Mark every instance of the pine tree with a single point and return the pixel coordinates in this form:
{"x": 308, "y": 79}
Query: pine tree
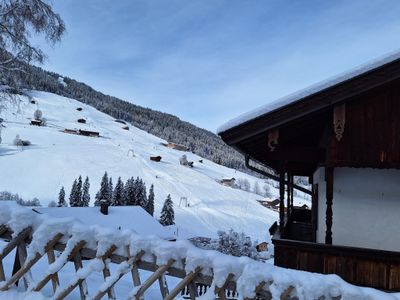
{"x": 85, "y": 193}
{"x": 129, "y": 192}
{"x": 141, "y": 194}
{"x": 118, "y": 195}
{"x": 104, "y": 193}
{"x": 61, "y": 198}
{"x": 79, "y": 191}
{"x": 110, "y": 190}
{"x": 136, "y": 191}
{"x": 150, "y": 201}
{"x": 73, "y": 195}
{"x": 167, "y": 213}
{"x": 97, "y": 199}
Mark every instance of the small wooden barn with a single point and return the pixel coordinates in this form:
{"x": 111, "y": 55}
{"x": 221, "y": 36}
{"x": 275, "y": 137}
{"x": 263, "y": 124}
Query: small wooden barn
{"x": 81, "y": 120}
{"x": 177, "y": 146}
{"x": 36, "y": 122}
{"x": 228, "y": 181}
{"x": 155, "y": 158}
{"x": 344, "y": 135}
{"x": 88, "y": 133}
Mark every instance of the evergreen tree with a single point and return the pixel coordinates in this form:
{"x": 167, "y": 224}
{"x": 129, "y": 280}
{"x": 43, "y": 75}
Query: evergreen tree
{"x": 167, "y": 213}
{"x": 141, "y": 194}
{"x": 97, "y": 199}
{"x": 61, "y": 198}
{"x": 110, "y": 190}
{"x": 85, "y": 193}
{"x": 118, "y": 195}
{"x": 150, "y": 201}
{"x": 129, "y": 192}
{"x": 136, "y": 191}
{"x": 73, "y": 196}
{"x": 104, "y": 193}
{"x": 79, "y": 191}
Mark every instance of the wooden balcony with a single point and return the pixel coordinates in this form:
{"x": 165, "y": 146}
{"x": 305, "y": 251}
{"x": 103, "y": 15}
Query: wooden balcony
{"x": 296, "y": 249}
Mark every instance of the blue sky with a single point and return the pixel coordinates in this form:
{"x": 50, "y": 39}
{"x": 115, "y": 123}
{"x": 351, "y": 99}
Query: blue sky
{"x": 208, "y": 61}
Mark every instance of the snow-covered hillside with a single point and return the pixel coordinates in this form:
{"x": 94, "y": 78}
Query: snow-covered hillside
{"x": 56, "y": 158}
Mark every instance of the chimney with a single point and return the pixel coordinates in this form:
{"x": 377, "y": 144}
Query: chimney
{"x": 104, "y": 207}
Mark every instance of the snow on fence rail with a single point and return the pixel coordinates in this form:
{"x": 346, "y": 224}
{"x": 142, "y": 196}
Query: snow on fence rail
{"x": 35, "y": 236}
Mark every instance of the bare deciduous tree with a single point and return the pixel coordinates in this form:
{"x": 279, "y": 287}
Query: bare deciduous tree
{"x": 19, "y": 19}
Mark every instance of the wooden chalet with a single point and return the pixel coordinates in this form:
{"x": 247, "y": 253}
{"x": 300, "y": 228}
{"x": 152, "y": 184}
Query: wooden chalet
{"x": 228, "y": 181}
{"x": 344, "y": 135}
{"x": 36, "y": 122}
{"x": 88, "y": 133}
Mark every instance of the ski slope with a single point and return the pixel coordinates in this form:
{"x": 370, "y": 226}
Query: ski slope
{"x": 56, "y": 158}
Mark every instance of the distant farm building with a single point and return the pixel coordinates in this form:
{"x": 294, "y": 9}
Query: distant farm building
{"x": 79, "y": 108}
{"x": 177, "y": 146}
{"x": 125, "y": 127}
{"x": 81, "y": 120}
{"x": 88, "y": 133}
{"x": 36, "y": 122}
{"x": 228, "y": 182}
{"x": 262, "y": 247}
{"x": 71, "y": 131}
{"x": 120, "y": 121}
{"x": 155, "y": 158}
{"x": 271, "y": 204}
{"x": 184, "y": 162}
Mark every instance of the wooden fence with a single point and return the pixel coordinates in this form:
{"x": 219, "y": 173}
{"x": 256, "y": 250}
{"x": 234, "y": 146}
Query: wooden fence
{"x": 129, "y": 266}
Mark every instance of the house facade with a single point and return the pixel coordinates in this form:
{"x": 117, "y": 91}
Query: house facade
{"x": 344, "y": 135}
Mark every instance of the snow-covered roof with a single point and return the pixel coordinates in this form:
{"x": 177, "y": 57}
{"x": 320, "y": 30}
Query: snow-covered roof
{"x": 123, "y": 217}
{"x": 318, "y": 87}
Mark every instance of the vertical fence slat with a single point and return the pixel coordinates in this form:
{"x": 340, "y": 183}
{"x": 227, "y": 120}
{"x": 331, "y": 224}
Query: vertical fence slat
{"x": 153, "y": 278}
{"x": 181, "y": 285}
{"x": 26, "y": 267}
{"x": 51, "y": 259}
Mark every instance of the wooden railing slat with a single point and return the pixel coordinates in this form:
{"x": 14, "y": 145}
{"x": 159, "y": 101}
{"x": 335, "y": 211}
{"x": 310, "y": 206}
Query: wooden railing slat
{"x": 46, "y": 279}
{"x": 153, "y": 278}
{"x": 28, "y": 264}
{"x": 184, "y": 282}
{"x": 15, "y": 241}
{"x": 66, "y": 291}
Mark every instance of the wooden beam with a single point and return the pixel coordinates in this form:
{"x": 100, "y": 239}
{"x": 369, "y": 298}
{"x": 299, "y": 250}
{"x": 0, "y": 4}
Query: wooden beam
{"x": 294, "y": 154}
{"x": 51, "y": 276}
{"x": 162, "y": 282}
{"x": 153, "y": 278}
{"x": 28, "y": 264}
{"x": 51, "y": 258}
{"x": 220, "y": 291}
{"x": 329, "y": 203}
{"x": 184, "y": 282}
{"x": 132, "y": 263}
{"x": 24, "y": 234}
{"x": 66, "y": 291}
{"x": 273, "y": 177}
{"x": 282, "y": 201}
{"x": 83, "y": 289}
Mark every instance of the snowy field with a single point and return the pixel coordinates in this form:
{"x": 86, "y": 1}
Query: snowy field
{"x": 56, "y": 158}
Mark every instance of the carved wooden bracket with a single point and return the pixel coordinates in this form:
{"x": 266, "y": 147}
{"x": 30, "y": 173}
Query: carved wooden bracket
{"x": 273, "y": 136}
{"x": 339, "y": 120}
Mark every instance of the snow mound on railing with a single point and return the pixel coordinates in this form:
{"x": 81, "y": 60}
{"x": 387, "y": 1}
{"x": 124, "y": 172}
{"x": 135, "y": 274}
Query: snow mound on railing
{"x": 248, "y": 273}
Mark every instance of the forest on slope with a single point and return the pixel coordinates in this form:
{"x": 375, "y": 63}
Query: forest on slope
{"x": 163, "y": 125}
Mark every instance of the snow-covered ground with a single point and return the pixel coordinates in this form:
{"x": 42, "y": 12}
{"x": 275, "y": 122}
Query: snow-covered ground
{"x": 248, "y": 273}
{"x": 56, "y": 158}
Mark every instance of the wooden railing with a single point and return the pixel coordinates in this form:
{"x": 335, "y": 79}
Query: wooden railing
{"x": 132, "y": 265}
{"x": 360, "y": 266}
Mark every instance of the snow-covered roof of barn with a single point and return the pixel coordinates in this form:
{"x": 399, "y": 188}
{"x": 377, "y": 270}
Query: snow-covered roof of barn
{"x": 299, "y": 95}
{"x": 119, "y": 217}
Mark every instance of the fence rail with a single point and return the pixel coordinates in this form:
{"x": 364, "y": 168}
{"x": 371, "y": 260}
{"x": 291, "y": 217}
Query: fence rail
{"x": 191, "y": 284}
